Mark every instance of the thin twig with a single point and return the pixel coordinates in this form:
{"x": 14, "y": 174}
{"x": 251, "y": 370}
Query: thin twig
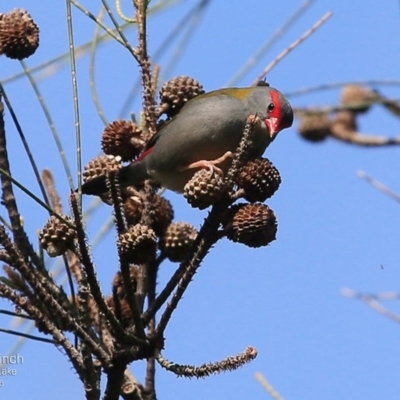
{"x": 92, "y": 278}
{"x": 8, "y": 197}
{"x": 54, "y": 197}
{"x": 92, "y": 71}
{"x": 16, "y": 315}
{"x": 99, "y": 22}
{"x": 372, "y": 302}
{"x": 120, "y": 223}
{"x": 151, "y": 295}
{"x": 295, "y": 44}
{"x": 51, "y": 298}
{"x": 121, "y": 13}
{"x": 162, "y": 49}
{"x": 25, "y": 335}
{"x": 228, "y": 364}
{"x": 187, "y": 31}
{"x": 5, "y": 174}
{"x": 300, "y": 111}
{"x": 149, "y": 103}
{"x": 360, "y": 139}
{"x": 336, "y": 85}
{"x": 125, "y": 41}
{"x": 206, "y": 238}
{"x": 56, "y": 204}
{"x": 24, "y": 141}
{"x": 75, "y": 97}
{"x": 268, "y": 387}
{"x": 270, "y": 42}
{"x": 379, "y": 185}
{"x": 57, "y": 334}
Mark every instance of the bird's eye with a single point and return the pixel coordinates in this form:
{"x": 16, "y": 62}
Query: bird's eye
{"x": 271, "y": 106}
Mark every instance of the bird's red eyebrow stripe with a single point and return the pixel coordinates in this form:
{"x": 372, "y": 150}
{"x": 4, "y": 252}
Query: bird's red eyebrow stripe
{"x": 277, "y": 111}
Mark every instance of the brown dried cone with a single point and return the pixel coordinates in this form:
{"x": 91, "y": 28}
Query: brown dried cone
{"x": 126, "y": 313}
{"x": 359, "y": 98}
{"x": 176, "y": 92}
{"x": 118, "y": 286}
{"x": 178, "y": 240}
{"x": 254, "y": 225}
{"x": 99, "y": 166}
{"x": 133, "y": 205}
{"x": 119, "y": 294}
{"x": 161, "y": 212}
{"x": 122, "y": 138}
{"x": 19, "y": 35}
{"x": 124, "y": 310}
{"x": 205, "y": 188}
{"x": 259, "y": 180}
{"x": 138, "y": 244}
{"x": 315, "y": 127}
{"x": 57, "y": 237}
{"x": 344, "y": 124}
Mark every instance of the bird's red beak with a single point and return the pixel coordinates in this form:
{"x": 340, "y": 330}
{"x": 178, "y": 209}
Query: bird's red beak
{"x": 273, "y": 126}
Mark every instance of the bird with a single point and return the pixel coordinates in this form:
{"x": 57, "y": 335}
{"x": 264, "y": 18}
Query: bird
{"x": 205, "y": 133}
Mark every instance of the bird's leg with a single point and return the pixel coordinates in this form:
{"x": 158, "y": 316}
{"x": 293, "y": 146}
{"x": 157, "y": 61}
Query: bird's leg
{"x": 211, "y": 165}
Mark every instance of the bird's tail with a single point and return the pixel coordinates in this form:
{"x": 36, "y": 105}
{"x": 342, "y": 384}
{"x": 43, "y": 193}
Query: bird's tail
{"x": 131, "y": 175}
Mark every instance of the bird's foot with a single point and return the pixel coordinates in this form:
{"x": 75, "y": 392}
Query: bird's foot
{"x": 211, "y": 165}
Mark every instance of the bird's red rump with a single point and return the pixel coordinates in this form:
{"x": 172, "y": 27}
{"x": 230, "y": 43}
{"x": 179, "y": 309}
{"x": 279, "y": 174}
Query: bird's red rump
{"x": 144, "y": 154}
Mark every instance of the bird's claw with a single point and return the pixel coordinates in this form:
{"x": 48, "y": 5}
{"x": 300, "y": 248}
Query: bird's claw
{"x": 210, "y": 165}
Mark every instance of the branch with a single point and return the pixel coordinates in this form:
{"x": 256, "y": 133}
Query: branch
{"x": 204, "y": 370}
{"x": 57, "y": 334}
{"x": 372, "y": 302}
{"x": 295, "y": 44}
{"x": 378, "y": 185}
{"x": 8, "y": 197}
{"x": 92, "y": 279}
{"x": 268, "y": 387}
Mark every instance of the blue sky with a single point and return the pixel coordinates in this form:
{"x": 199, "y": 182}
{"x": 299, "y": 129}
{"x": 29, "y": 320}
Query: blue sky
{"x": 335, "y": 231}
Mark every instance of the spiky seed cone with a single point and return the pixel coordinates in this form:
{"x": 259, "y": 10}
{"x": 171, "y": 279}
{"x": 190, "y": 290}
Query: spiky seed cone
{"x": 254, "y": 225}
{"x": 178, "y": 240}
{"x": 205, "y": 188}
{"x": 118, "y": 286}
{"x": 99, "y": 166}
{"x": 19, "y": 35}
{"x": 161, "y": 214}
{"x": 125, "y": 315}
{"x": 122, "y": 138}
{"x": 358, "y": 97}
{"x": 138, "y": 245}
{"x": 57, "y": 237}
{"x": 315, "y": 127}
{"x": 133, "y": 206}
{"x": 344, "y": 123}
{"x": 176, "y": 92}
{"x": 161, "y": 211}
{"x": 259, "y": 179}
